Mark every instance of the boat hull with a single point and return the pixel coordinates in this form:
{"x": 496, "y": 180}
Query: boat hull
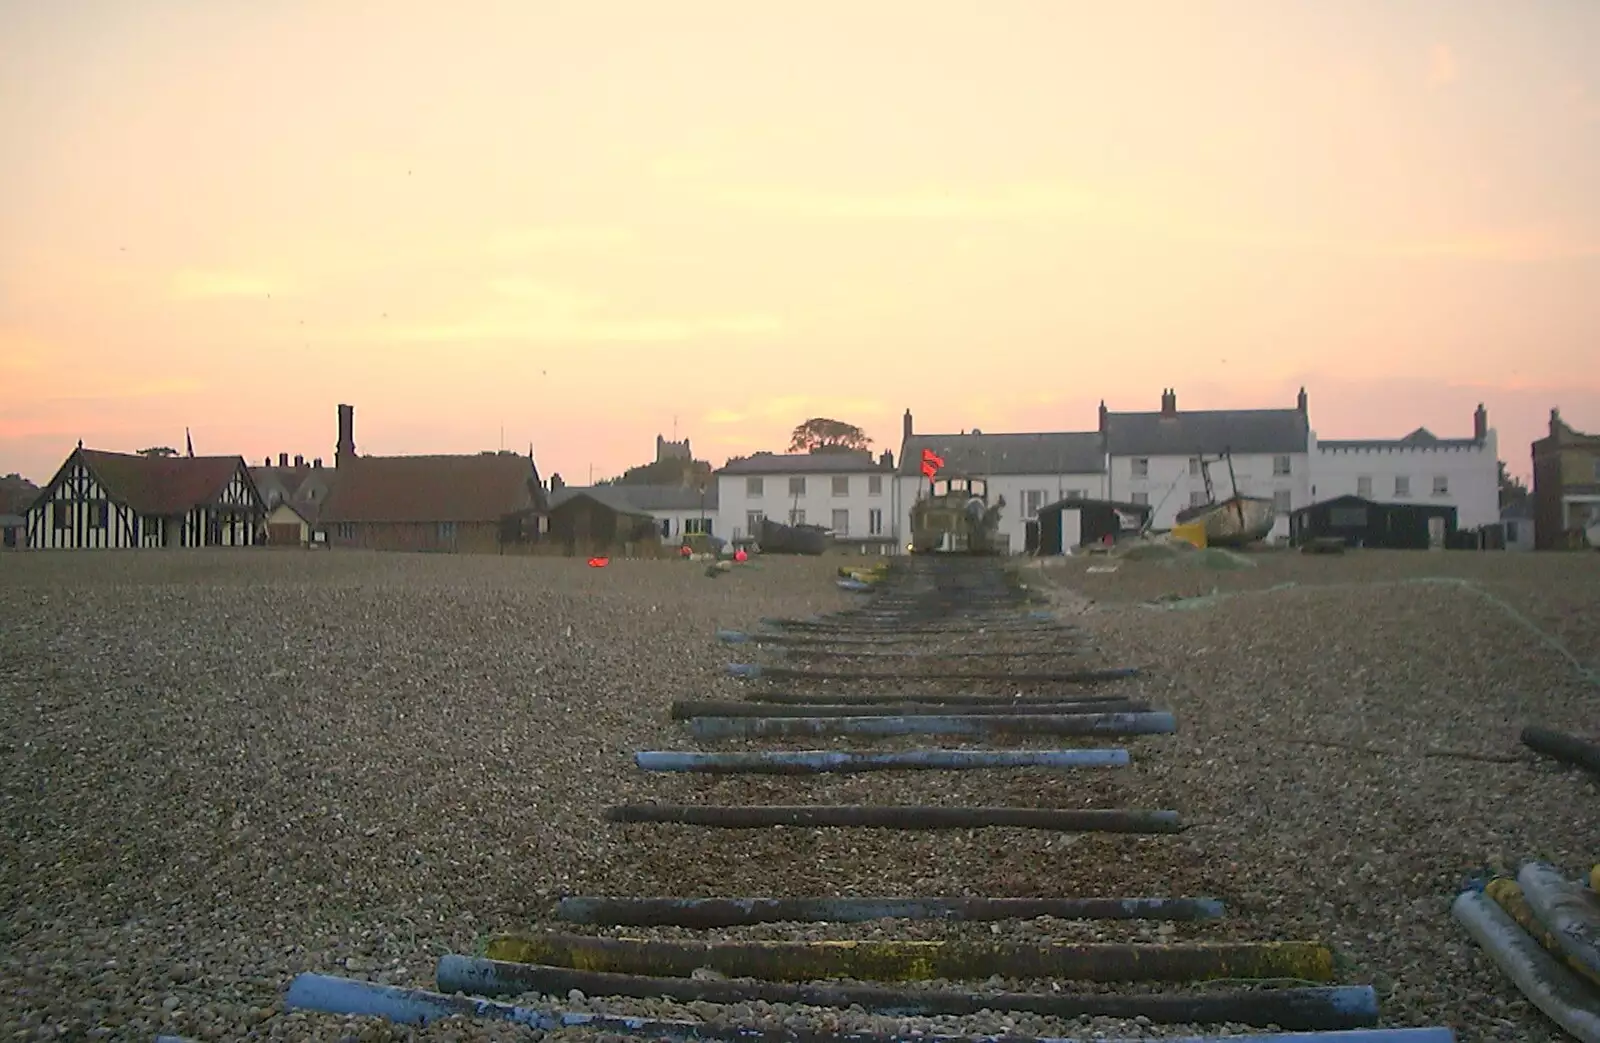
{"x": 1234, "y": 522}
{"x": 776, "y": 538}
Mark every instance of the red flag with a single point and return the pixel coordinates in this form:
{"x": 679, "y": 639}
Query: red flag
{"x": 931, "y": 462}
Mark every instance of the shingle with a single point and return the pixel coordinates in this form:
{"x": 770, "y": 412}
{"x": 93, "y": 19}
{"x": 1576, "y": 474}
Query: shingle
{"x": 1207, "y": 432}
{"x": 981, "y": 455}
{"x": 162, "y": 485}
{"x": 479, "y": 488}
{"x": 843, "y": 462}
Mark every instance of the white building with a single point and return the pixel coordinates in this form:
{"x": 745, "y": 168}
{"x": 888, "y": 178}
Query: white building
{"x": 847, "y": 491}
{"x": 1419, "y": 468}
{"x": 1161, "y": 458}
{"x": 1030, "y": 470}
{"x": 679, "y": 510}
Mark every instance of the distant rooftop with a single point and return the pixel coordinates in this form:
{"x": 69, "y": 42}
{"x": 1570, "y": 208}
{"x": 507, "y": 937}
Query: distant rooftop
{"x": 980, "y": 455}
{"x": 850, "y": 461}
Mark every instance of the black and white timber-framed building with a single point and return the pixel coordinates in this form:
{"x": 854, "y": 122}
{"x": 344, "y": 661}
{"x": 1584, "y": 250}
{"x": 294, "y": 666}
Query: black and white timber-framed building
{"x": 110, "y": 501}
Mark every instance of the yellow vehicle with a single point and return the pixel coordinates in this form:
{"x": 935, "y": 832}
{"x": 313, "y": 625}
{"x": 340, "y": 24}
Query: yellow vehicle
{"x": 954, "y": 516}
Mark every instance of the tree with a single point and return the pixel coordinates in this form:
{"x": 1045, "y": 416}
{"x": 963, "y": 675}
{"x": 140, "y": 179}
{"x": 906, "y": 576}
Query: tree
{"x": 1511, "y": 488}
{"x": 159, "y": 450}
{"x": 821, "y": 435}
{"x": 674, "y": 470}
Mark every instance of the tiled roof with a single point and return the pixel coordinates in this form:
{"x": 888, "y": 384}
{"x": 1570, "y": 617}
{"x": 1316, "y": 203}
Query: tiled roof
{"x": 306, "y": 487}
{"x": 1207, "y": 432}
{"x": 1421, "y": 438}
{"x": 982, "y": 455}
{"x": 614, "y": 497}
{"x": 842, "y": 462}
{"x": 162, "y": 485}
{"x": 479, "y": 488}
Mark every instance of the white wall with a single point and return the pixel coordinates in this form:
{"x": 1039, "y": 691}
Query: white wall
{"x": 735, "y": 501}
{"x": 1170, "y": 484}
{"x": 1014, "y": 487}
{"x": 1471, "y": 475}
{"x": 675, "y": 519}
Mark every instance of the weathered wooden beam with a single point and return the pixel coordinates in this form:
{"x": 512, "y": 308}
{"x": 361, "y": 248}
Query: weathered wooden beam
{"x": 879, "y": 960}
{"x": 942, "y": 724}
{"x": 810, "y": 762}
{"x": 731, "y": 912}
{"x": 1335, "y": 1007}
{"x": 900, "y": 816}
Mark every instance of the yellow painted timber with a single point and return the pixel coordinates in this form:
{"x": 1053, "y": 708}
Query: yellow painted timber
{"x": 1193, "y": 533}
{"x": 890, "y": 961}
{"x": 1507, "y": 894}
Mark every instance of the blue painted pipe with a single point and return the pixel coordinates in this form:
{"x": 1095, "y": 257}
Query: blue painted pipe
{"x": 799, "y": 762}
{"x": 1153, "y": 723}
{"x": 347, "y": 996}
{"x": 853, "y": 585}
{"x": 732, "y": 637}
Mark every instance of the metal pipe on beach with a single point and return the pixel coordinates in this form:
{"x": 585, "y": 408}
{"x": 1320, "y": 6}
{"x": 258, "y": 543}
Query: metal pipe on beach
{"x": 1151, "y": 723}
{"x": 811, "y": 762}
{"x": 734, "y": 912}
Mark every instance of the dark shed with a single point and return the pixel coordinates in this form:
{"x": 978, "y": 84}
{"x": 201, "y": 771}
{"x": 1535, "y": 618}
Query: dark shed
{"x": 1366, "y": 523}
{"x": 1074, "y": 522}
{"x": 598, "y": 520}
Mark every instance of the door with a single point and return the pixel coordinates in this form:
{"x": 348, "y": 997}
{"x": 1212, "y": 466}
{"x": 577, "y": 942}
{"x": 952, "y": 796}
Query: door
{"x": 1435, "y": 533}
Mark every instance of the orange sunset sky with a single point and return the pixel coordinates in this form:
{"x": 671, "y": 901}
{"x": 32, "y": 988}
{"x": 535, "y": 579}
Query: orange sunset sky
{"x": 577, "y": 221}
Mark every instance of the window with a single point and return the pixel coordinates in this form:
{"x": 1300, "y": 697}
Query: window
{"x": 752, "y": 522}
{"x": 1347, "y": 517}
{"x": 345, "y": 530}
{"x": 752, "y": 488}
{"x": 875, "y": 485}
{"x": 841, "y": 485}
{"x": 797, "y": 486}
{"x": 1139, "y": 498}
{"x": 666, "y": 528}
{"x": 1511, "y": 532}
{"x": 1194, "y": 465}
{"x": 102, "y": 515}
{"x": 1402, "y": 485}
{"x": 447, "y": 532}
{"x": 841, "y": 522}
{"x": 1441, "y": 485}
{"x": 697, "y": 526}
{"x": 875, "y": 522}
{"x": 1032, "y": 500}
{"x": 1280, "y": 500}
{"x": 1364, "y": 487}
{"x": 1597, "y": 469}
{"x": 798, "y": 515}
{"x": 1077, "y": 494}
{"x": 1280, "y": 465}
{"x": 1197, "y": 498}
{"x": 1141, "y": 467}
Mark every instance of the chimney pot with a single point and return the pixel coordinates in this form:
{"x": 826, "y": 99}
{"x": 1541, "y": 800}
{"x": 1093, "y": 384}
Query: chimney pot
{"x": 1480, "y": 423}
{"x": 283, "y": 459}
{"x": 299, "y": 461}
{"x": 317, "y": 462}
{"x": 1300, "y": 400}
{"x": 909, "y": 428}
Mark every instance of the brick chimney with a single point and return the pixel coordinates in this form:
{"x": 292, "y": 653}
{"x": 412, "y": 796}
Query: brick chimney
{"x": 317, "y": 463}
{"x": 907, "y": 427}
{"x": 346, "y": 449}
{"x": 1169, "y": 402}
{"x": 1300, "y": 401}
{"x": 299, "y": 461}
{"x": 886, "y": 460}
{"x": 556, "y": 484}
{"x": 1480, "y": 423}
{"x": 1103, "y": 416}
{"x": 283, "y": 459}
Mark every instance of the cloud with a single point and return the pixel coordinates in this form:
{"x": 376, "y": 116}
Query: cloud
{"x": 1027, "y": 200}
{"x": 568, "y": 238}
{"x": 199, "y": 285}
{"x": 1443, "y": 69}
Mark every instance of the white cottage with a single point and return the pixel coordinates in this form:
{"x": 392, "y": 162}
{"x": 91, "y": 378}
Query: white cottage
{"x": 1161, "y": 458}
{"x": 108, "y": 501}
{"x": 1419, "y": 468}
{"x": 847, "y": 491}
{"x": 1031, "y": 470}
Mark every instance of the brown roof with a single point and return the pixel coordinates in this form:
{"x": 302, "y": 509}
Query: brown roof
{"x": 433, "y": 489}
{"x": 162, "y": 485}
